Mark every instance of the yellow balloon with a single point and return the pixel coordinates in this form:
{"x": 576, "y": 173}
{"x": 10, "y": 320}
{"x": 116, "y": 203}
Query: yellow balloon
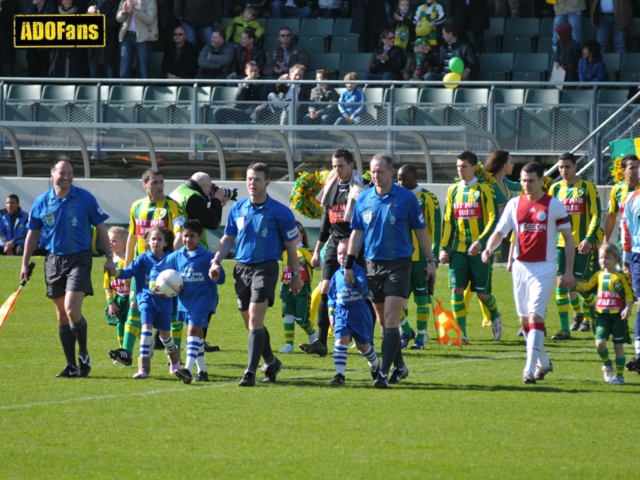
{"x": 423, "y": 30}
{"x": 451, "y": 77}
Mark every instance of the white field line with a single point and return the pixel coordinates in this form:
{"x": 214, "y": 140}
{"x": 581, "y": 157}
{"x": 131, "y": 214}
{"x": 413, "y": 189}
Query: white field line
{"x": 228, "y": 384}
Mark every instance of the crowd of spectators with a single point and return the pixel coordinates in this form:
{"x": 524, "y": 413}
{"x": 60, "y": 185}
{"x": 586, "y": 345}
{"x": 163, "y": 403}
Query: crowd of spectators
{"x": 405, "y": 42}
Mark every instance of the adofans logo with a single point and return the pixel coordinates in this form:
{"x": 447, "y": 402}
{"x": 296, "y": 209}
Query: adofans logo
{"x": 59, "y": 31}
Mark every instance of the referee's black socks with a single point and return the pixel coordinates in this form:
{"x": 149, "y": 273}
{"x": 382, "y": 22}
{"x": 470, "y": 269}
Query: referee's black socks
{"x": 79, "y": 329}
{"x": 323, "y": 318}
{"x": 255, "y": 346}
{"x": 68, "y": 341}
{"x": 267, "y": 353}
{"x": 389, "y": 348}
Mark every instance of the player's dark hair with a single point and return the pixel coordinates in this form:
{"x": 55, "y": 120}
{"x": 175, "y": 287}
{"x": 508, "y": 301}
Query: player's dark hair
{"x": 534, "y": 167}
{"x": 496, "y": 161}
{"x": 383, "y": 156}
{"x": 167, "y": 234}
{"x": 410, "y": 169}
{"x": 609, "y": 248}
{"x": 13, "y": 196}
{"x": 344, "y": 154}
{"x": 62, "y": 158}
{"x": 469, "y": 157}
{"x": 303, "y": 234}
{"x": 261, "y": 167}
{"x": 627, "y": 159}
{"x": 150, "y": 172}
{"x": 194, "y": 225}
{"x": 568, "y": 156}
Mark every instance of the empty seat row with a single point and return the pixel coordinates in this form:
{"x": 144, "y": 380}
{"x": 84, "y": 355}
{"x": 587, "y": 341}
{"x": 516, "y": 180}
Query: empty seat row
{"x": 311, "y": 27}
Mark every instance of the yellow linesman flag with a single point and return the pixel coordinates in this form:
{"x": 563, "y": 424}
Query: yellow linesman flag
{"x": 447, "y": 327}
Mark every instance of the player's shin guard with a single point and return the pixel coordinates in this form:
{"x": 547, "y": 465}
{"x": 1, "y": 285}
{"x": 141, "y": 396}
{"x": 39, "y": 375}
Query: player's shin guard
{"x": 146, "y": 340}
{"x": 404, "y": 322}
{"x": 459, "y": 312}
{"x": 68, "y": 341}
{"x": 120, "y": 333}
{"x": 576, "y": 304}
{"x": 177, "y": 331}
{"x": 562, "y": 304}
{"x": 590, "y": 306}
{"x": 289, "y": 329}
{"x": 423, "y": 312}
{"x": 255, "y": 344}
{"x": 323, "y": 319}
{"x": 492, "y": 307}
{"x": 132, "y": 329}
{"x": 340, "y": 357}
{"x": 389, "y": 349}
{"x": 79, "y": 330}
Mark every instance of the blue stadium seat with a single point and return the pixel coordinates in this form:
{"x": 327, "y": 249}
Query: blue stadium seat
{"x": 21, "y": 102}
{"x": 433, "y": 106}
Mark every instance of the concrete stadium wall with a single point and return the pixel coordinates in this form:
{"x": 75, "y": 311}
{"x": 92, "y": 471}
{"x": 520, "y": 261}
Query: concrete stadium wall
{"x": 115, "y": 196}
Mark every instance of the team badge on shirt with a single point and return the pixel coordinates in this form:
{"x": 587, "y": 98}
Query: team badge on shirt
{"x": 476, "y": 194}
{"x": 74, "y": 222}
{"x": 240, "y": 223}
{"x": 161, "y": 213}
{"x": 542, "y": 216}
{"x": 581, "y": 192}
{"x": 49, "y": 219}
{"x": 366, "y": 216}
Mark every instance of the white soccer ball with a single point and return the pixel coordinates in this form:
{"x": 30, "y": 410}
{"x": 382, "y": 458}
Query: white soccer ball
{"x": 169, "y": 282}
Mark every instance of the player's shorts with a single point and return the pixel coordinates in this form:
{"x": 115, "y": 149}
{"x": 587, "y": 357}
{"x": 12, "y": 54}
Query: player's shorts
{"x": 584, "y": 265}
{"x": 68, "y": 273}
{"x": 255, "y": 283}
{"x": 634, "y": 268}
{"x": 418, "y": 284}
{"x": 330, "y": 264}
{"x": 122, "y": 302}
{"x": 158, "y": 317}
{"x": 464, "y": 268}
{"x": 196, "y": 319}
{"x": 354, "y": 322}
{"x": 612, "y": 324}
{"x": 296, "y": 305}
{"x": 533, "y": 285}
{"x": 388, "y": 278}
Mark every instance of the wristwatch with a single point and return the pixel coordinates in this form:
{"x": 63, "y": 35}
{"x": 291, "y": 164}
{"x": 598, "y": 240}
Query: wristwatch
{"x": 434, "y": 260}
{"x": 296, "y": 273}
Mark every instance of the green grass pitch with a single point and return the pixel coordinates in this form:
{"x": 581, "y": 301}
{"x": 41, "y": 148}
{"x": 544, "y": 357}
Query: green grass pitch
{"x": 460, "y": 414}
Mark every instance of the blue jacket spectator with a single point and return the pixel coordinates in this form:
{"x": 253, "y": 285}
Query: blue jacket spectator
{"x": 591, "y": 68}
{"x": 351, "y": 103}
{"x": 13, "y": 227}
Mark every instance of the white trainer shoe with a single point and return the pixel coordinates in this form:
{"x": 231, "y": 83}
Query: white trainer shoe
{"x": 617, "y": 380}
{"x": 497, "y": 329}
{"x": 287, "y": 349}
{"x": 608, "y": 374}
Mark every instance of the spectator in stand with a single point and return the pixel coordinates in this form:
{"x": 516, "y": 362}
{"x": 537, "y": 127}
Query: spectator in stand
{"x": 567, "y": 52}
{"x": 38, "y": 58}
{"x": 387, "y": 61}
{"x": 420, "y": 63}
{"x": 247, "y": 52}
{"x": 105, "y": 62}
{"x": 471, "y": 16}
{"x": 245, "y": 112}
{"x": 327, "y": 9}
{"x": 569, "y": 11}
{"x": 198, "y": 18}
{"x": 611, "y": 19}
{"x": 591, "y": 68}
{"x": 67, "y": 62}
{"x": 351, "y": 104}
{"x": 13, "y": 227}
{"x": 290, "y": 9}
{"x": 281, "y": 58}
{"x": 369, "y": 19}
{"x": 433, "y": 13}
{"x": 244, "y": 22}
{"x": 180, "y": 59}
{"x": 501, "y": 8}
{"x": 454, "y": 47}
{"x": 402, "y": 24}
{"x": 285, "y": 93}
{"x": 139, "y": 19}
{"x": 215, "y": 59}
{"x": 8, "y": 8}
{"x": 325, "y": 96}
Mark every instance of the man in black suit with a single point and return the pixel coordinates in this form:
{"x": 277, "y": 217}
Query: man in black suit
{"x": 180, "y": 58}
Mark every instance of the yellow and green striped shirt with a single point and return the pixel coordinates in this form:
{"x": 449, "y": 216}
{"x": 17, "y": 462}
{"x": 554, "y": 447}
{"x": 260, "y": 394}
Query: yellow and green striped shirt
{"x": 613, "y": 289}
{"x": 146, "y": 215}
{"x": 304, "y": 266}
{"x": 430, "y": 207}
{"x": 470, "y": 215}
{"x": 583, "y": 206}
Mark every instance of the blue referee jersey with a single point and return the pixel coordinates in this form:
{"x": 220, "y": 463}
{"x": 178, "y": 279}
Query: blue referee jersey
{"x": 387, "y": 222}
{"x": 199, "y": 293}
{"x": 65, "y": 225}
{"x": 261, "y": 231}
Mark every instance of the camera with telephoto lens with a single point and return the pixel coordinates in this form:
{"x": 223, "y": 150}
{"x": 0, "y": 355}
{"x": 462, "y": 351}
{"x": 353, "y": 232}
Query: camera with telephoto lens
{"x": 230, "y": 193}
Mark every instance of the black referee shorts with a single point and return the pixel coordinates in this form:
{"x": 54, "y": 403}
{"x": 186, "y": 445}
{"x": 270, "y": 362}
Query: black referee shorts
{"x": 68, "y": 273}
{"x": 255, "y": 283}
{"x": 388, "y": 278}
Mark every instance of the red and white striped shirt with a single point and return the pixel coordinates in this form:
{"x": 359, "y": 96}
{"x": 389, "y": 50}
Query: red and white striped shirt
{"x": 536, "y": 225}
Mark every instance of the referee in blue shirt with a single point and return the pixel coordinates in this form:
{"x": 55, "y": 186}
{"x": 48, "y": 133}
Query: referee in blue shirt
{"x": 62, "y": 218}
{"x": 265, "y": 228}
{"x": 383, "y": 219}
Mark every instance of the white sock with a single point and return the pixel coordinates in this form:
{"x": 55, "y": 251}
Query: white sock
{"x": 637, "y": 345}
{"x": 169, "y": 344}
{"x": 146, "y": 341}
{"x": 543, "y": 359}
{"x": 340, "y": 357}
{"x": 313, "y": 336}
{"x": 534, "y": 344}
{"x": 193, "y": 347}
{"x": 200, "y": 358}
